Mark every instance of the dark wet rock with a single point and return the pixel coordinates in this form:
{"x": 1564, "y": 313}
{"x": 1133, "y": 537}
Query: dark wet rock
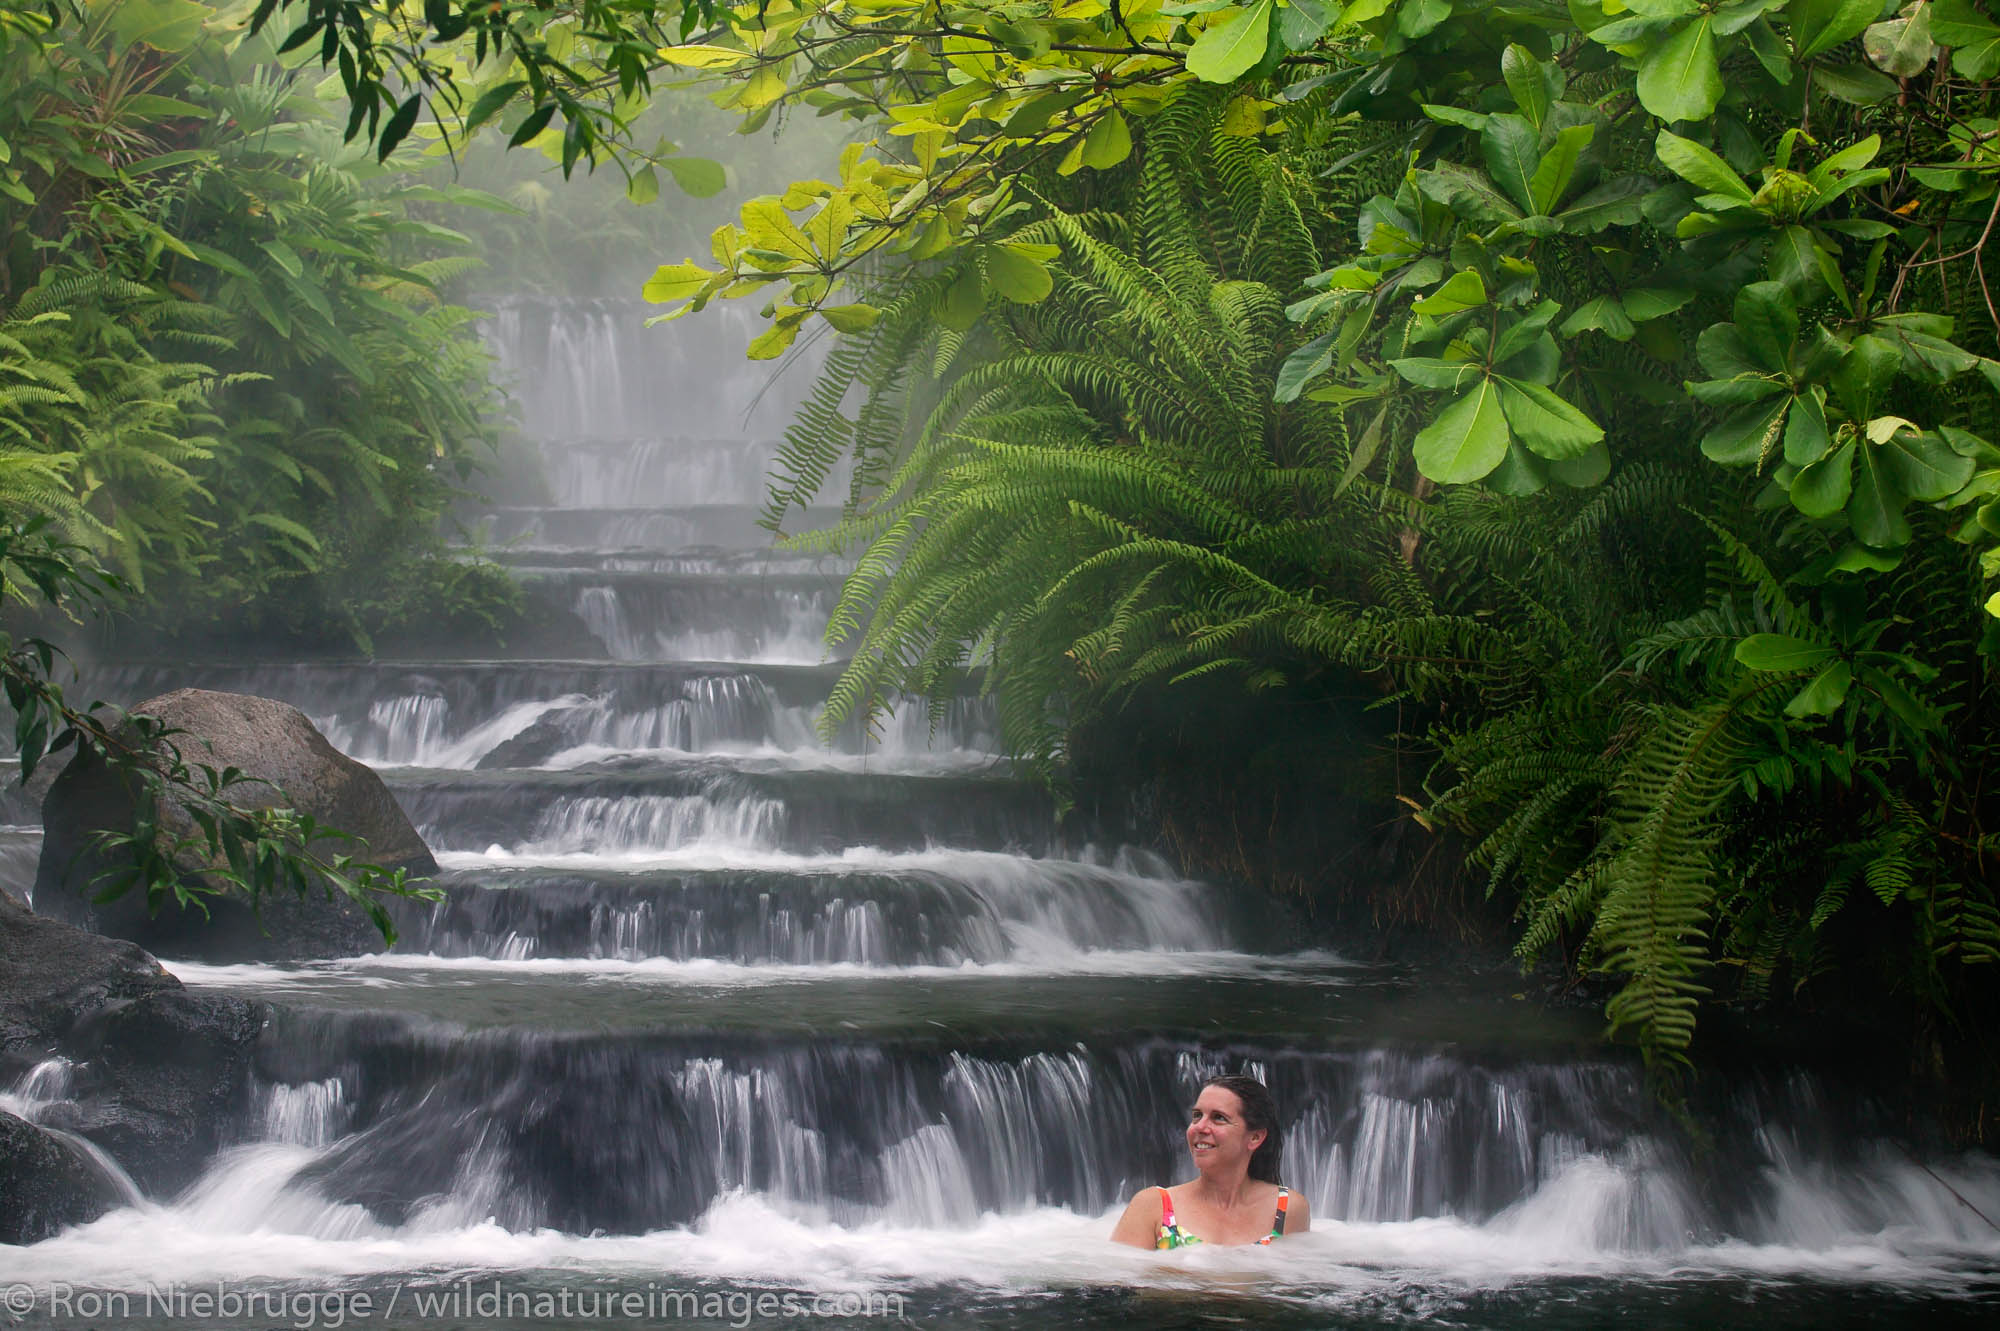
{"x": 291, "y": 764}
{"x": 46, "y": 1184}
{"x": 163, "y": 1080}
{"x": 53, "y": 975}
{"x": 535, "y": 745}
{"x": 161, "y": 1073}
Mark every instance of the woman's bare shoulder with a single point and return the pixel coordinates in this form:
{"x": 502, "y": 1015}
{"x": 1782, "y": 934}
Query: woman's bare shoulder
{"x": 1136, "y": 1225}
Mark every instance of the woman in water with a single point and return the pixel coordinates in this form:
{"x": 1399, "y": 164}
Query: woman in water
{"x": 1235, "y": 1196}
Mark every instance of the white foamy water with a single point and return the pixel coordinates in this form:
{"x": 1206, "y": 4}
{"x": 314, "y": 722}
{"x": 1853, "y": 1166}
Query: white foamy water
{"x": 796, "y": 639}
{"x": 1311, "y": 967}
{"x": 723, "y": 716}
{"x": 247, "y": 1220}
{"x": 986, "y": 867}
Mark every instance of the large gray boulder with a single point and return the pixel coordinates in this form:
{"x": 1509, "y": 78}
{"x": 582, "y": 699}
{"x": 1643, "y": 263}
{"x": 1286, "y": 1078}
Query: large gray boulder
{"x": 292, "y": 765}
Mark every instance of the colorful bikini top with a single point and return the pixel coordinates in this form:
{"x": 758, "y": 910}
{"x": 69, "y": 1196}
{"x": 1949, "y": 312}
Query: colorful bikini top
{"x": 1171, "y": 1235}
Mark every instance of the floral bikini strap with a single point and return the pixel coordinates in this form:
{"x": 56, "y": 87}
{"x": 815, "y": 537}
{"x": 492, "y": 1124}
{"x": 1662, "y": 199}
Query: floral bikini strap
{"x": 1278, "y": 1220}
{"x": 1171, "y": 1234}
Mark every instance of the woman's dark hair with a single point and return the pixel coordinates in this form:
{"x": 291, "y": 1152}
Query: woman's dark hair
{"x": 1260, "y": 1114}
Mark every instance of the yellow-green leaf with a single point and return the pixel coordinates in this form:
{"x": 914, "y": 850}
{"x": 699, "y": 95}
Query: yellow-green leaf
{"x": 850, "y": 318}
{"x": 770, "y": 227}
{"x": 1109, "y": 141}
{"x": 1017, "y": 276}
{"x": 675, "y": 281}
{"x": 1466, "y": 441}
{"x": 697, "y": 55}
{"x": 1230, "y": 46}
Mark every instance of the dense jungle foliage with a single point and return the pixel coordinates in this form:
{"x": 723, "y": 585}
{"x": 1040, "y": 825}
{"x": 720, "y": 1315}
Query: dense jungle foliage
{"x": 229, "y": 369}
{"x": 1610, "y": 385}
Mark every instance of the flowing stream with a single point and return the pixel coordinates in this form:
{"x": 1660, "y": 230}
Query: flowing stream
{"x": 713, "y": 1009}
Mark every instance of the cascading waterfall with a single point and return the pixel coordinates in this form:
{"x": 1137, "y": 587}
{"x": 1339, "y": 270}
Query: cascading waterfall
{"x": 709, "y": 1002}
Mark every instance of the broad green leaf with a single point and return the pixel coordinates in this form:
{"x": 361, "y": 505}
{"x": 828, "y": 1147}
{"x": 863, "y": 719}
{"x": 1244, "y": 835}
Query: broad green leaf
{"x": 853, "y": 318}
{"x": 1823, "y": 488}
{"x": 698, "y": 177}
{"x": 644, "y": 186}
{"x": 1228, "y": 49}
{"x": 164, "y": 25}
{"x": 1745, "y": 438}
{"x": 1820, "y": 25}
{"x": 1876, "y": 509}
{"x": 1016, "y": 276}
{"x": 1464, "y": 191}
{"x": 1545, "y": 422}
{"x": 1603, "y": 313}
{"x": 1454, "y": 115}
{"x": 1863, "y": 377}
{"x": 773, "y": 341}
{"x": 1700, "y": 167}
{"x": 1630, "y": 36}
{"x": 1901, "y": 46}
{"x": 1538, "y": 362}
{"x": 1767, "y": 319}
{"x": 1463, "y": 290}
{"x": 1584, "y": 470}
{"x": 1806, "y": 436}
{"x": 1770, "y": 51}
{"x": 1558, "y": 167}
{"x": 1431, "y": 372}
{"x": 1974, "y": 38}
{"x": 1525, "y": 331}
{"x": 1927, "y": 355}
{"x": 1857, "y": 85}
{"x": 769, "y": 227}
{"x": 1304, "y": 22}
{"x": 1466, "y": 441}
{"x": 1679, "y": 79}
{"x": 1855, "y": 557}
{"x": 1655, "y": 302}
{"x": 1419, "y": 17}
{"x": 1519, "y": 473}
{"x": 963, "y": 302}
{"x": 1737, "y": 15}
{"x": 1614, "y": 203}
{"x": 675, "y": 281}
{"x": 1780, "y": 652}
{"x": 1511, "y": 147}
{"x": 1825, "y": 694}
{"x": 284, "y": 256}
{"x": 1924, "y": 466}
{"x": 1109, "y": 141}
{"x": 696, "y": 55}
{"x": 1993, "y": 605}
{"x": 1533, "y": 82}
{"x": 1303, "y": 366}
{"x": 1795, "y": 261}
{"x": 1023, "y": 41}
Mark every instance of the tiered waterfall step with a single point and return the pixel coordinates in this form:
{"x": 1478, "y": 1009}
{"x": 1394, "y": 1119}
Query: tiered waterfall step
{"x": 635, "y": 807}
{"x": 460, "y": 714}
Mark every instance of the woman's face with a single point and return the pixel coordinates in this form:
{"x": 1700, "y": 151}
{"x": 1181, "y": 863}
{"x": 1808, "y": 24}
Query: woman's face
{"x": 1217, "y": 1137}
